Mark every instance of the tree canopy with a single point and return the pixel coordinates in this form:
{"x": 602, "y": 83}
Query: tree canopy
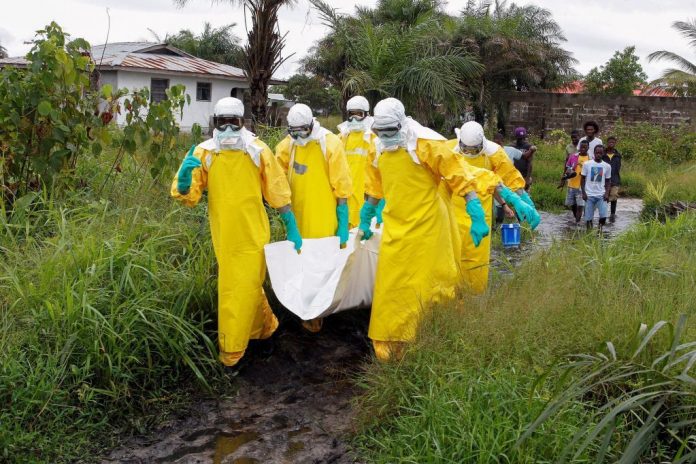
{"x": 312, "y": 91}
{"x": 215, "y": 44}
{"x": 436, "y": 63}
{"x": 682, "y": 79}
{"x": 621, "y": 75}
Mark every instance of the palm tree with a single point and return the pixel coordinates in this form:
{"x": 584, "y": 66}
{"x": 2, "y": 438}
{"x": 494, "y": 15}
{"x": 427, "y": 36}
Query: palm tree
{"x": 682, "y": 79}
{"x": 263, "y": 50}
{"x": 402, "y": 49}
{"x": 215, "y": 44}
{"x": 519, "y": 46}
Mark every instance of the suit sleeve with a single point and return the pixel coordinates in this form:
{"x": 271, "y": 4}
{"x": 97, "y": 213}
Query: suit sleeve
{"x": 274, "y": 181}
{"x": 339, "y": 172}
{"x": 460, "y": 176}
{"x": 199, "y": 181}
{"x": 506, "y": 170}
{"x": 373, "y": 178}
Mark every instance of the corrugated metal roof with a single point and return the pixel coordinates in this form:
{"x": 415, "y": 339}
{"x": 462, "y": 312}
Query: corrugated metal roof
{"x": 182, "y": 64}
{"x": 150, "y": 56}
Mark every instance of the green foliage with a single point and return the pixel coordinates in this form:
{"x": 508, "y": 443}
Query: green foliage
{"x": 621, "y": 75}
{"x": 107, "y": 306}
{"x": 312, "y": 91}
{"x": 51, "y": 116}
{"x": 648, "y": 396}
{"x": 520, "y": 47}
{"x": 3, "y": 52}
{"x": 645, "y": 143}
{"x": 682, "y": 79}
{"x": 48, "y": 114}
{"x": 220, "y": 44}
{"x": 470, "y": 386}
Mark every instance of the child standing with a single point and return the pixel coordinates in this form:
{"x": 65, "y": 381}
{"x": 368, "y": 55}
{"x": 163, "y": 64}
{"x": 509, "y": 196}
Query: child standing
{"x": 573, "y": 170}
{"x": 613, "y": 158}
{"x": 596, "y": 184}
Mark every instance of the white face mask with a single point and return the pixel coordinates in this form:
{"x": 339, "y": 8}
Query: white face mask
{"x": 392, "y": 143}
{"x": 230, "y": 139}
{"x": 356, "y": 126}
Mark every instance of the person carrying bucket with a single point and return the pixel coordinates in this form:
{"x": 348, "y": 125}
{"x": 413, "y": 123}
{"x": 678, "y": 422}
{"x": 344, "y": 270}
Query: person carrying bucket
{"x": 472, "y": 147}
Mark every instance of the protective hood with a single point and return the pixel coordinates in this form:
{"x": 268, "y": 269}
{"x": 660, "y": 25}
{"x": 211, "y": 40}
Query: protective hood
{"x": 300, "y": 115}
{"x": 229, "y": 106}
{"x": 412, "y": 131}
{"x": 318, "y": 133}
{"x": 358, "y": 102}
{"x": 471, "y": 134}
{"x": 247, "y": 144}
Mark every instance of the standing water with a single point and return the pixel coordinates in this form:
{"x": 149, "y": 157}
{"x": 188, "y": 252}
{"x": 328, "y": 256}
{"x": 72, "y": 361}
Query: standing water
{"x": 296, "y": 405}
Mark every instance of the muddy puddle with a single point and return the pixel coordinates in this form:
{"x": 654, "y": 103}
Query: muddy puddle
{"x": 296, "y": 405}
{"x": 555, "y": 227}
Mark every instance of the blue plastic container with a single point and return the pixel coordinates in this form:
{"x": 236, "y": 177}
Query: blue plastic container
{"x": 510, "y": 235}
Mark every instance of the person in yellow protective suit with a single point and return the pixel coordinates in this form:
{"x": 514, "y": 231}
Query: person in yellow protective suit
{"x": 472, "y": 146}
{"x": 316, "y": 166}
{"x": 358, "y": 142}
{"x": 416, "y": 266}
{"x": 239, "y": 171}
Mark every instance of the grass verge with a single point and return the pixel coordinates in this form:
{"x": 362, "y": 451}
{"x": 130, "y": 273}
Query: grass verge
{"x": 465, "y": 392}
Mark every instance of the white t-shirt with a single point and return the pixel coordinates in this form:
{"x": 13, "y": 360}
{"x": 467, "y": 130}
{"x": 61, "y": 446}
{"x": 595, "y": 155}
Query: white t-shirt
{"x": 513, "y": 153}
{"x": 593, "y": 143}
{"x": 596, "y": 175}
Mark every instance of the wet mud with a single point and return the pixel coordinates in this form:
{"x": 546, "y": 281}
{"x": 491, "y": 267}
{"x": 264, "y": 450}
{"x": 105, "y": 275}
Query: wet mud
{"x": 295, "y": 406}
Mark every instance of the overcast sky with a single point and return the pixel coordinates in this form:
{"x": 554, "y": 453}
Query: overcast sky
{"x": 594, "y": 28}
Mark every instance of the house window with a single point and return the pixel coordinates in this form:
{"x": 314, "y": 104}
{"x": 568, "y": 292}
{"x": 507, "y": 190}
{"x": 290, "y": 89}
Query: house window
{"x": 203, "y": 91}
{"x": 158, "y": 89}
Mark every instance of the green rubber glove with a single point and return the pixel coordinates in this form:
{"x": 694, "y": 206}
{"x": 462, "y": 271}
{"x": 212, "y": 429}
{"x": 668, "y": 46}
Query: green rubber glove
{"x": 342, "y": 216}
{"x": 367, "y": 212}
{"x": 293, "y": 233}
{"x": 526, "y": 198}
{"x": 380, "y": 208}
{"x": 525, "y": 212}
{"x": 184, "y": 176}
{"x": 479, "y": 228}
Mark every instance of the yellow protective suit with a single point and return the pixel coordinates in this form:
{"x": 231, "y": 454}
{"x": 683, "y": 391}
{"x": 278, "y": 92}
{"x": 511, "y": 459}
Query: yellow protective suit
{"x": 239, "y": 228}
{"x": 475, "y": 261}
{"x": 416, "y": 266}
{"x": 317, "y": 180}
{"x": 357, "y": 150}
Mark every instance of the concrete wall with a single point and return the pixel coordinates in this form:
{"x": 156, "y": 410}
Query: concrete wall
{"x": 540, "y": 112}
{"x": 198, "y": 111}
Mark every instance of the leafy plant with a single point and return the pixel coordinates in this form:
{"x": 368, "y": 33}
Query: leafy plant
{"x": 682, "y": 79}
{"x": 649, "y": 395}
{"x": 619, "y": 76}
{"x": 48, "y": 113}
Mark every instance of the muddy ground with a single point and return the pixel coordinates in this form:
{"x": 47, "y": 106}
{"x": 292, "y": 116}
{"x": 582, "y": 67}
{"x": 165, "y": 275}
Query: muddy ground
{"x": 295, "y": 406}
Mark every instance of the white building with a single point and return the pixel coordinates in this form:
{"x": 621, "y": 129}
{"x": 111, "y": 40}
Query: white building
{"x": 158, "y": 66}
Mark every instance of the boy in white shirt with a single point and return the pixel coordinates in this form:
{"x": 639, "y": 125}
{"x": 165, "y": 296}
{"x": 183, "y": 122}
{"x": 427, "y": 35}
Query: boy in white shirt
{"x": 596, "y": 185}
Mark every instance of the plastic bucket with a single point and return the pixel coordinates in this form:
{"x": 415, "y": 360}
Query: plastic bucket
{"x": 510, "y": 235}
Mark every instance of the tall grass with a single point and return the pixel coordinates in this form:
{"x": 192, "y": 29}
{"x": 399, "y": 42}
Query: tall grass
{"x": 106, "y": 312}
{"x": 465, "y": 391}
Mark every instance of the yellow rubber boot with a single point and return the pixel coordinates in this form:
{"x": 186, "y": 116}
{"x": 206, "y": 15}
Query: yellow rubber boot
{"x": 389, "y": 351}
{"x": 313, "y": 325}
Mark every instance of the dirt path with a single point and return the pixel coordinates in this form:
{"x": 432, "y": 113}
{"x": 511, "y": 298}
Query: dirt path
{"x": 291, "y": 407}
{"x": 295, "y": 406}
